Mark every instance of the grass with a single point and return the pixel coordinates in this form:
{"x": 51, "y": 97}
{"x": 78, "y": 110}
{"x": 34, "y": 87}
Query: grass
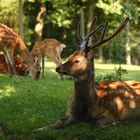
{"x": 26, "y": 104}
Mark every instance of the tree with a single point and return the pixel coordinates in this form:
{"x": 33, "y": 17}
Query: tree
{"x": 62, "y": 17}
{"x": 40, "y": 21}
{"x": 131, "y": 9}
{"x": 21, "y": 28}
{"x": 117, "y": 10}
{"x": 8, "y": 13}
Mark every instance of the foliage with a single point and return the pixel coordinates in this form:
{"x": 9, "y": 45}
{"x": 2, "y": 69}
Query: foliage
{"x": 62, "y": 17}
{"x": 135, "y": 54}
{"x": 110, "y": 7}
{"x": 8, "y": 13}
{"x": 117, "y": 75}
{"x": 126, "y": 8}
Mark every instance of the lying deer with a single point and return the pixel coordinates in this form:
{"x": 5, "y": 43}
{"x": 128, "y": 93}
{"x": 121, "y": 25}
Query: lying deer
{"x": 11, "y": 44}
{"x": 103, "y": 103}
{"x": 51, "y": 48}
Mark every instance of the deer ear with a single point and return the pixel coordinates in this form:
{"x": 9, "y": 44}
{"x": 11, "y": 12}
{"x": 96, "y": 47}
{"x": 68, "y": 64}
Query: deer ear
{"x": 89, "y": 55}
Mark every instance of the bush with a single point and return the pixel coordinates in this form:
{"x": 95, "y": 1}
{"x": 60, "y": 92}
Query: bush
{"x": 115, "y": 76}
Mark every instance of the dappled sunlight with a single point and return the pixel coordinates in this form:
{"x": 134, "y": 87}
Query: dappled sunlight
{"x": 2, "y": 75}
{"x": 31, "y": 104}
{"x": 119, "y": 103}
{"x": 7, "y": 91}
{"x": 121, "y": 96}
{"x": 50, "y": 64}
{"x": 132, "y": 104}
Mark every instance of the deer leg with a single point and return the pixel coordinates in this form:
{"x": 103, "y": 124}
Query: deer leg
{"x": 58, "y": 62}
{"x": 8, "y": 65}
{"x": 106, "y": 120}
{"x": 11, "y": 61}
{"x": 64, "y": 122}
{"x": 43, "y": 62}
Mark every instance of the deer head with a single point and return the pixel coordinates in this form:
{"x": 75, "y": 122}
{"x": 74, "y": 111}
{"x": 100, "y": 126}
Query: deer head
{"x": 80, "y": 62}
{"x": 34, "y": 69}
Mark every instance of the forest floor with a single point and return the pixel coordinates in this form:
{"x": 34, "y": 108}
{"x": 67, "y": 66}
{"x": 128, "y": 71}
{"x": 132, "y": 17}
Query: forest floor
{"x": 26, "y": 105}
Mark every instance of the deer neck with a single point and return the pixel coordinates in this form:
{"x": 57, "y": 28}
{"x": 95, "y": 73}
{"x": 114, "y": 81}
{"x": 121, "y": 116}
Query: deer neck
{"x": 84, "y": 85}
{"x": 84, "y": 95}
{"x": 25, "y": 54}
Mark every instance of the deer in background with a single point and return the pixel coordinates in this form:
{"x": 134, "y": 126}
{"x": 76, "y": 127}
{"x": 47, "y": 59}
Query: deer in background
{"x": 51, "y": 48}
{"x": 11, "y": 44}
{"x": 104, "y": 103}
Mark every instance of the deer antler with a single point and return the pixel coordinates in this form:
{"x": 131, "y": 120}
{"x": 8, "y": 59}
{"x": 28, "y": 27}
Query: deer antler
{"x": 104, "y": 39}
{"x": 85, "y": 39}
{"x": 75, "y": 44}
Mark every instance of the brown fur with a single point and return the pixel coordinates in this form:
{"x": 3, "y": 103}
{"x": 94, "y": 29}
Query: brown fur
{"x": 11, "y": 44}
{"x": 51, "y": 48}
{"x": 102, "y": 104}
{"x": 20, "y": 65}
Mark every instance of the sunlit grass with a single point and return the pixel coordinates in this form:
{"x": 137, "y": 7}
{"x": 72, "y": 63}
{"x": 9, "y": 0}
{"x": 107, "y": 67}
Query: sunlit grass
{"x": 133, "y": 72}
{"x": 26, "y": 104}
{"x": 111, "y": 66}
{"x": 7, "y": 91}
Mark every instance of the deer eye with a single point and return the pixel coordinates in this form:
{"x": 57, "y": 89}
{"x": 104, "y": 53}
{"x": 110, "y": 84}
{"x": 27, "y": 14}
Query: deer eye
{"x": 76, "y": 61}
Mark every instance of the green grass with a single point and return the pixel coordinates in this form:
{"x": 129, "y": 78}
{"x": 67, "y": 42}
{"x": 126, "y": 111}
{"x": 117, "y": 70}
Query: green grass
{"x": 26, "y": 104}
{"x": 133, "y": 71}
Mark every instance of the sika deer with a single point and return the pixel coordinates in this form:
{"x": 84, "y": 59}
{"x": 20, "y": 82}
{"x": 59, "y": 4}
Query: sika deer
{"x": 51, "y": 48}
{"x": 11, "y": 44}
{"x": 103, "y": 103}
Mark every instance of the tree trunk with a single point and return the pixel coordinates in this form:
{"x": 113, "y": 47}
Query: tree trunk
{"x": 82, "y": 19}
{"x": 40, "y": 22}
{"x": 128, "y": 49}
{"x": 100, "y": 54}
{"x": 21, "y": 27}
{"x": 91, "y": 6}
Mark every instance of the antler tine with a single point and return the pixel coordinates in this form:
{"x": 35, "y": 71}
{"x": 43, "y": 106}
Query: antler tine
{"x": 75, "y": 44}
{"x": 91, "y": 30}
{"x": 79, "y": 31}
{"x": 104, "y": 40}
{"x": 104, "y": 31}
{"x": 93, "y": 24}
{"x": 94, "y": 31}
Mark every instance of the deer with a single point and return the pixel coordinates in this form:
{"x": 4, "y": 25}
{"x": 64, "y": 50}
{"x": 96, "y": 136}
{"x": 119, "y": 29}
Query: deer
{"x": 101, "y": 104}
{"x": 11, "y": 45}
{"x": 51, "y": 48}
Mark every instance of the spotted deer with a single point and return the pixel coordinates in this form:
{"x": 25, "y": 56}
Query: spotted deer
{"x": 51, "y": 48}
{"x": 101, "y": 104}
{"x": 11, "y": 44}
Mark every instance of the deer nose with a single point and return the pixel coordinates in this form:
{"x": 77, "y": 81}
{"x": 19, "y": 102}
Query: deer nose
{"x": 57, "y": 69}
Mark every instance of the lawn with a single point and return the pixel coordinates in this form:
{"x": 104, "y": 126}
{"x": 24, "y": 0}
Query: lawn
{"x": 26, "y": 104}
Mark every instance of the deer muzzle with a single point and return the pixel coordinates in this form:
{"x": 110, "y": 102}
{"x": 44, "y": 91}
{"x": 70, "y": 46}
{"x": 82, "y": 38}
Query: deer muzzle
{"x": 58, "y": 69}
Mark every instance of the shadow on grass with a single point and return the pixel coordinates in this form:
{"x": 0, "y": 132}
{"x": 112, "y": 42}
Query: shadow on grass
{"x": 89, "y": 132}
{"x": 26, "y": 104}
